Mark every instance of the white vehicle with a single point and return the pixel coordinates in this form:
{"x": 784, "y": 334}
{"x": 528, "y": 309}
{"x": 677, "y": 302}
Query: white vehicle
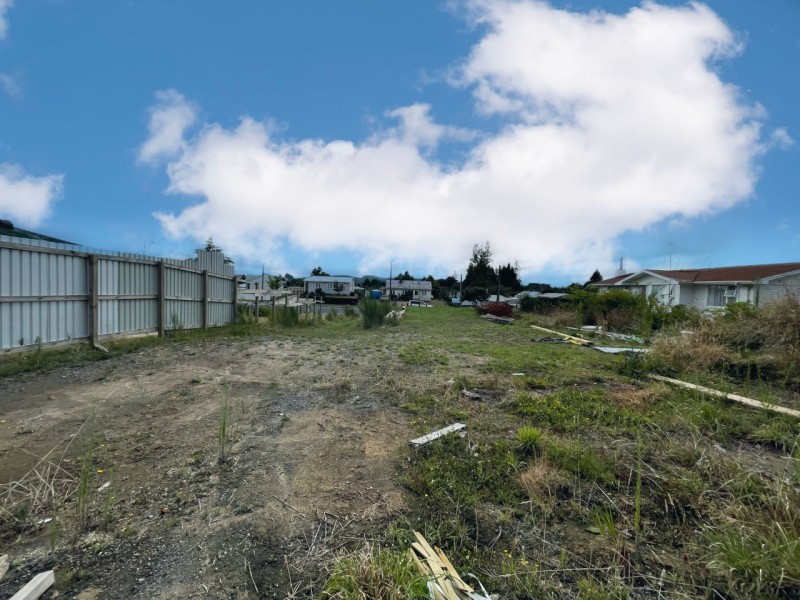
{"x": 418, "y": 303}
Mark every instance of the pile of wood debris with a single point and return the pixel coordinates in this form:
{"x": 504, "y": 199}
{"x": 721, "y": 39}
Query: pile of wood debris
{"x": 444, "y": 581}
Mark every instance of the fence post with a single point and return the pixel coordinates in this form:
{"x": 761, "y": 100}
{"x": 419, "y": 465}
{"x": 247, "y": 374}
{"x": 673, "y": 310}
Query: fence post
{"x": 205, "y": 299}
{"x": 94, "y": 318}
{"x": 162, "y": 304}
{"x": 234, "y": 296}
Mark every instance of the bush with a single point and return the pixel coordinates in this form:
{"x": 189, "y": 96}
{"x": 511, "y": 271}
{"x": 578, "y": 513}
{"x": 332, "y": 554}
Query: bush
{"x": 498, "y": 309}
{"x": 373, "y": 312}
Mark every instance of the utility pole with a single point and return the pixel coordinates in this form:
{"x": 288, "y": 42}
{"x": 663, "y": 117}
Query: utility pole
{"x": 498, "y": 284}
{"x": 390, "y": 280}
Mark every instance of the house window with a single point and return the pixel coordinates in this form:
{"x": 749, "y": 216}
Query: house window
{"x": 720, "y": 295}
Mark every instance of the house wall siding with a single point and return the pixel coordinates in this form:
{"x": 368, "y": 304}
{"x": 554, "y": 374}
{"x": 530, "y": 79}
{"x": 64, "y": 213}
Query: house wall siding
{"x": 778, "y": 289}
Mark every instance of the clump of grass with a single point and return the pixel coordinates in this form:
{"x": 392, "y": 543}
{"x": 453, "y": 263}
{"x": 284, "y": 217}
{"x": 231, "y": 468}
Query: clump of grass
{"x": 582, "y": 460}
{"x": 350, "y": 312}
{"x": 757, "y": 553}
{"x": 287, "y": 316}
{"x": 529, "y": 439}
{"x": 449, "y": 470}
{"x": 373, "y": 312}
{"x": 375, "y": 574}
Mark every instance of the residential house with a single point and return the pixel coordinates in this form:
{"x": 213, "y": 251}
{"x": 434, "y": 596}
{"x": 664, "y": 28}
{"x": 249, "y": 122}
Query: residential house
{"x": 329, "y": 286}
{"x": 410, "y": 289}
{"x": 712, "y": 288}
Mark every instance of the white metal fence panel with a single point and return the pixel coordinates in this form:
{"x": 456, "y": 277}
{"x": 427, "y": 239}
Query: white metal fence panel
{"x": 46, "y": 293}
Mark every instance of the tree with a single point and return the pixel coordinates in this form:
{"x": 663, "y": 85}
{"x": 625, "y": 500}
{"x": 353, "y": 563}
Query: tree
{"x": 274, "y": 282}
{"x": 317, "y": 271}
{"x": 596, "y": 277}
{"x": 480, "y": 272}
{"x": 509, "y": 277}
{"x": 290, "y": 280}
{"x": 210, "y": 246}
{"x": 474, "y": 294}
{"x": 405, "y": 277}
{"x": 436, "y": 290}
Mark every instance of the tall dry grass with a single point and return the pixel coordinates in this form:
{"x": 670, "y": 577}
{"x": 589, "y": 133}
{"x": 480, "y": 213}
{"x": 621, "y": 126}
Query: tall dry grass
{"x": 743, "y": 341}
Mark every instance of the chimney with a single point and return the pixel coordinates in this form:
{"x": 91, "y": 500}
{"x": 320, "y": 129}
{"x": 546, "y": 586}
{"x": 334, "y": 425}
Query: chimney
{"x": 621, "y": 270}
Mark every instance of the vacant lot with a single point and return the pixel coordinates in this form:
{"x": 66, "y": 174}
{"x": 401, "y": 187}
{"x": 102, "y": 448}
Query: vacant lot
{"x": 248, "y": 463}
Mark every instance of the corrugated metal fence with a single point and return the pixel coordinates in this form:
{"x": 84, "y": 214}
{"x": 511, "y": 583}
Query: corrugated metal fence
{"x": 56, "y": 292}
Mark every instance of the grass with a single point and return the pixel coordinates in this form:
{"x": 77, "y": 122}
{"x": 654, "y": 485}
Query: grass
{"x": 576, "y": 479}
{"x": 375, "y": 574}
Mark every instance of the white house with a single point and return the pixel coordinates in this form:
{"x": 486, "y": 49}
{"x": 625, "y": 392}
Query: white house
{"x": 416, "y": 289}
{"x": 330, "y": 286}
{"x": 712, "y": 288}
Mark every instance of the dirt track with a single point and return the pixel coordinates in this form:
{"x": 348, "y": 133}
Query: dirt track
{"x": 313, "y": 448}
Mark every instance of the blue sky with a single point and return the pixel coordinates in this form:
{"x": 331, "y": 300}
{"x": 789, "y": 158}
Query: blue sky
{"x": 351, "y": 134}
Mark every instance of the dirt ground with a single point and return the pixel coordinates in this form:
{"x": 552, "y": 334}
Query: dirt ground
{"x": 312, "y": 446}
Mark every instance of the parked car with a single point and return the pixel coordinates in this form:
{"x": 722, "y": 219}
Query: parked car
{"x": 418, "y": 303}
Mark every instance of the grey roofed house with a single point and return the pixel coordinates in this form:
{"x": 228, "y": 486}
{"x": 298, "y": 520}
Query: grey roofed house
{"x": 338, "y": 285}
{"x": 420, "y": 289}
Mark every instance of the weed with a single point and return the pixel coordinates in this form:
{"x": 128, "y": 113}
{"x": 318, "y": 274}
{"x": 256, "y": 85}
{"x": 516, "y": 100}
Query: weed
{"x": 375, "y": 574}
{"x": 54, "y": 534}
{"x": 82, "y": 497}
{"x": 529, "y": 439}
{"x": 222, "y": 431}
{"x": 287, "y": 316}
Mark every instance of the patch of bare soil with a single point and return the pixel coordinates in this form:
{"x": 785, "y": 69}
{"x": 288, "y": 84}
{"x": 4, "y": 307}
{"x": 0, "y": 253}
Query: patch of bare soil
{"x": 310, "y": 452}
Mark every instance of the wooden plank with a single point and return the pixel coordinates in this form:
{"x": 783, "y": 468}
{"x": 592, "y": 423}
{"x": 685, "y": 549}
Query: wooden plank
{"x": 740, "y": 399}
{"x": 571, "y": 338}
{"x": 452, "y": 571}
{"x": 435, "y": 435}
{"x": 437, "y": 567}
{"x": 36, "y": 586}
{"x": 4, "y": 562}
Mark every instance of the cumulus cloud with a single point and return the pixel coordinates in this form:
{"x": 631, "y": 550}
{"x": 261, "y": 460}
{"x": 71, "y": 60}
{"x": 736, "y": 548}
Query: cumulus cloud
{"x": 4, "y": 6}
{"x": 169, "y": 118}
{"x": 25, "y": 199}
{"x": 612, "y": 123}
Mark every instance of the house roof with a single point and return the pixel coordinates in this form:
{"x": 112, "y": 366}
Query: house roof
{"x": 717, "y": 274}
{"x": 743, "y": 273}
{"x": 7, "y": 228}
{"x": 613, "y": 280}
{"x": 328, "y": 279}
{"x": 419, "y": 284}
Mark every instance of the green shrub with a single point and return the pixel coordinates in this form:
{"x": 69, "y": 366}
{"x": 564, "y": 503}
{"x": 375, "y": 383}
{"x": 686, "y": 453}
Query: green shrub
{"x": 373, "y": 312}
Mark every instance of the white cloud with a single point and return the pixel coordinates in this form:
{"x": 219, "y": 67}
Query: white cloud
{"x": 614, "y": 123}
{"x": 169, "y": 119}
{"x": 4, "y": 6}
{"x": 11, "y": 85}
{"x": 25, "y": 199}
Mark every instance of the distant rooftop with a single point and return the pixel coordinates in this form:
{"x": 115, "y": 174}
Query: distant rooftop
{"x": 7, "y": 228}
